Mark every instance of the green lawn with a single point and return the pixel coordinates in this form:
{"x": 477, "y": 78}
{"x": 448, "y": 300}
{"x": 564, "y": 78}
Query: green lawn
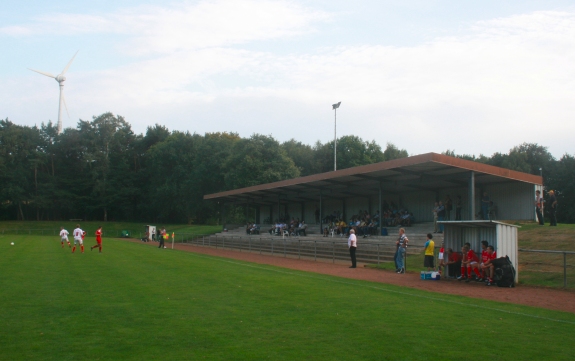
{"x": 136, "y": 302}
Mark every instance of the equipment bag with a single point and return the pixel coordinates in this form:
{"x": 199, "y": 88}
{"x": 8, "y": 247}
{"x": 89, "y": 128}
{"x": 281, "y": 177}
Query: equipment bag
{"x": 504, "y": 272}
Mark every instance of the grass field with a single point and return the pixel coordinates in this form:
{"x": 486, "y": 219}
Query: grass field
{"x": 136, "y": 302}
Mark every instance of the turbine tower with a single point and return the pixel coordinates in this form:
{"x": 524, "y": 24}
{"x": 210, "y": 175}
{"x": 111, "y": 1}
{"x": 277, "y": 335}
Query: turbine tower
{"x": 60, "y": 78}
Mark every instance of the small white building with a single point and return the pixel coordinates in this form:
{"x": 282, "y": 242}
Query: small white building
{"x": 151, "y": 233}
{"x": 502, "y": 236}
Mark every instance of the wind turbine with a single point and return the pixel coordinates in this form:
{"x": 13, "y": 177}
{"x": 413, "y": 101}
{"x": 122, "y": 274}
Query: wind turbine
{"x": 60, "y": 78}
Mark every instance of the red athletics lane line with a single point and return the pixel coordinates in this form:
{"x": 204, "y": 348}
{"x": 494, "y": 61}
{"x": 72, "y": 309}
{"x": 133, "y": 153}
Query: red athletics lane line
{"x": 553, "y": 299}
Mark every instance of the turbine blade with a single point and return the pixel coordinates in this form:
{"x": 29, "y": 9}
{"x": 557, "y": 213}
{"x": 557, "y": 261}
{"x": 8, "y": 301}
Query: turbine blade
{"x": 43, "y": 73}
{"x": 70, "y": 63}
{"x": 65, "y": 106}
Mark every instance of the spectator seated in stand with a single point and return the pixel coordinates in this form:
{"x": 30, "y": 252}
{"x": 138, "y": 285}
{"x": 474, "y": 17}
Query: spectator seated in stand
{"x": 405, "y": 219}
{"x": 254, "y": 229}
{"x": 300, "y": 231}
{"x": 341, "y": 227}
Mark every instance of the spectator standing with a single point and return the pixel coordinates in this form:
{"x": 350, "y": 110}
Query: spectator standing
{"x": 552, "y": 208}
{"x": 429, "y": 253}
{"x": 448, "y": 207}
{"x": 441, "y": 215}
{"x": 485, "y": 206}
{"x": 401, "y": 248}
{"x": 435, "y": 218}
{"x": 458, "y": 206}
{"x": 352, "y": 245}
{"x": 539, "y": 207}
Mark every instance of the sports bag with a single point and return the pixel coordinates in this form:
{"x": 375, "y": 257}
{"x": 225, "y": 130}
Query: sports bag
{"x": 504, "y": 272}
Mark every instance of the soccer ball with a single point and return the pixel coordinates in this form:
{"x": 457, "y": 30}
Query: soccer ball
{"x": 12, "y": 243}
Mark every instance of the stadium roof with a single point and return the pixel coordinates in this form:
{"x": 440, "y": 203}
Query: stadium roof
{"x": 425, "y": 172}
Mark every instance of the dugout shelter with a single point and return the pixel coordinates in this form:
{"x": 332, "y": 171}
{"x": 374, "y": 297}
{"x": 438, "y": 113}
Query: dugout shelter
{"x": 502, "y": 236}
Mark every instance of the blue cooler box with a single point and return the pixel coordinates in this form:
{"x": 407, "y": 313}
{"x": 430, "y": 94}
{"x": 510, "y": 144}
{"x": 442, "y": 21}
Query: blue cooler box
{"x": 433, "y": 276}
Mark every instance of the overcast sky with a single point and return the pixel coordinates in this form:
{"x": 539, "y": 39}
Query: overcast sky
{"x": 470, "y": 76}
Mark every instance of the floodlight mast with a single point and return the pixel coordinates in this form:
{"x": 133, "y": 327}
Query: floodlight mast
{"x": 335, "y": 106}
{"x": 60, "y": 78}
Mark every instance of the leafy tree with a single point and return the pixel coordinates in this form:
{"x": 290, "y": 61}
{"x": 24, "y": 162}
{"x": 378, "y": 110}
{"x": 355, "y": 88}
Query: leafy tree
{"x": 562, "y": 180}
{"x": 392, "y": 152}
{"x": 302, "y": 155}
{"x": 257, "y": 160}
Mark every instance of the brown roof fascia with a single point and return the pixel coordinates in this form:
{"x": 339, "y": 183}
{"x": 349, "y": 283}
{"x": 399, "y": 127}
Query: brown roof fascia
{"x": 487, "y": 169}
{"x": 391, "y": 164}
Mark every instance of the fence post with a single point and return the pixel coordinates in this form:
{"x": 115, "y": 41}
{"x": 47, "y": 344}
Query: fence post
{"x": 314, "y": 250}
{"x": 272, "y": 247}
{"x": 332, "y": 252}
{"x": 250, "y": 244}
{"x": 298, "y": 249}
{"x": 378, "y": 255}
{"x": 285, "y": 248}
{"x": 564, "y": 270}
{"x": 405, "y": 259}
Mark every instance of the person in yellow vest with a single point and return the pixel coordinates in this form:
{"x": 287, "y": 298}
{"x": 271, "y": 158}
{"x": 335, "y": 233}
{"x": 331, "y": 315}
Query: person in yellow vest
{"x": 429, "y": 253}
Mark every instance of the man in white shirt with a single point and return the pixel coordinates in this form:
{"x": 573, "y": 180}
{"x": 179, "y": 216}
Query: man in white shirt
{"x": 64, "y": 237}
{"x": 77, "y": 233}
{"x": 352, "y": 245}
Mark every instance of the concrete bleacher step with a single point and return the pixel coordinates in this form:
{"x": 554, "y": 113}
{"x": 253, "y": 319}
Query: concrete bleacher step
{"x": 417, "y": 234}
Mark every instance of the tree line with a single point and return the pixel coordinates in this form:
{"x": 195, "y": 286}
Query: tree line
{"x": 102, "y": 170}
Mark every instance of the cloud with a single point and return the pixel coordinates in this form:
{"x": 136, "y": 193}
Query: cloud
{"x": 479, "y": 92}
{"x": 186, "y": 26}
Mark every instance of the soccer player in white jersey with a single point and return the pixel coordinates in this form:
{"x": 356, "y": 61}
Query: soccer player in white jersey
{"x": 78, "y": 232}
{"x": 64, "y": 236}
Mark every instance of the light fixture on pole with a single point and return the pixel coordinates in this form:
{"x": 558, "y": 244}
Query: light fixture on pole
{"x": 335, "y": 106}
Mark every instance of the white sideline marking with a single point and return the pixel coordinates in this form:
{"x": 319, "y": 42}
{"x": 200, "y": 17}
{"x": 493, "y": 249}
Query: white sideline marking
{"x": 388, "y": 290}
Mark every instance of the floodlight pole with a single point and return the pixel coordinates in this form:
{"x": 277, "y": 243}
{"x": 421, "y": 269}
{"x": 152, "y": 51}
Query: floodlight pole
{"x": 335, "y": 106}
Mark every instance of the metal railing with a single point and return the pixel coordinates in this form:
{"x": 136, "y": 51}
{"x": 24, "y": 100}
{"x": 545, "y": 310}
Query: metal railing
{"x": 299, "y": 248}
{"x": 564, "y": 253}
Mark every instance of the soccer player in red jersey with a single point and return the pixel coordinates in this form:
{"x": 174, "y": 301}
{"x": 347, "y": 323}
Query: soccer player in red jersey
{"x": 464, "y": 250}
{"x": 78, "y": 238}
{"x": 472, "y": 265}
{"x": 98, "y": 239}
{"x": 484, "y": 257}
{"x": 488, "y": 266}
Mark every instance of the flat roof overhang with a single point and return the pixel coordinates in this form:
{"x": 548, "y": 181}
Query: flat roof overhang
{"x": 425, "y": 172}
{"x": 477, "y": 224}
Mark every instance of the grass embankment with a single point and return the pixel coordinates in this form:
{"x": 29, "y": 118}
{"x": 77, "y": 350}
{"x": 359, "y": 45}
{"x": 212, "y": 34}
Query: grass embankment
{"x": 544, "y": 269}
{"x": 135, "y": 302}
